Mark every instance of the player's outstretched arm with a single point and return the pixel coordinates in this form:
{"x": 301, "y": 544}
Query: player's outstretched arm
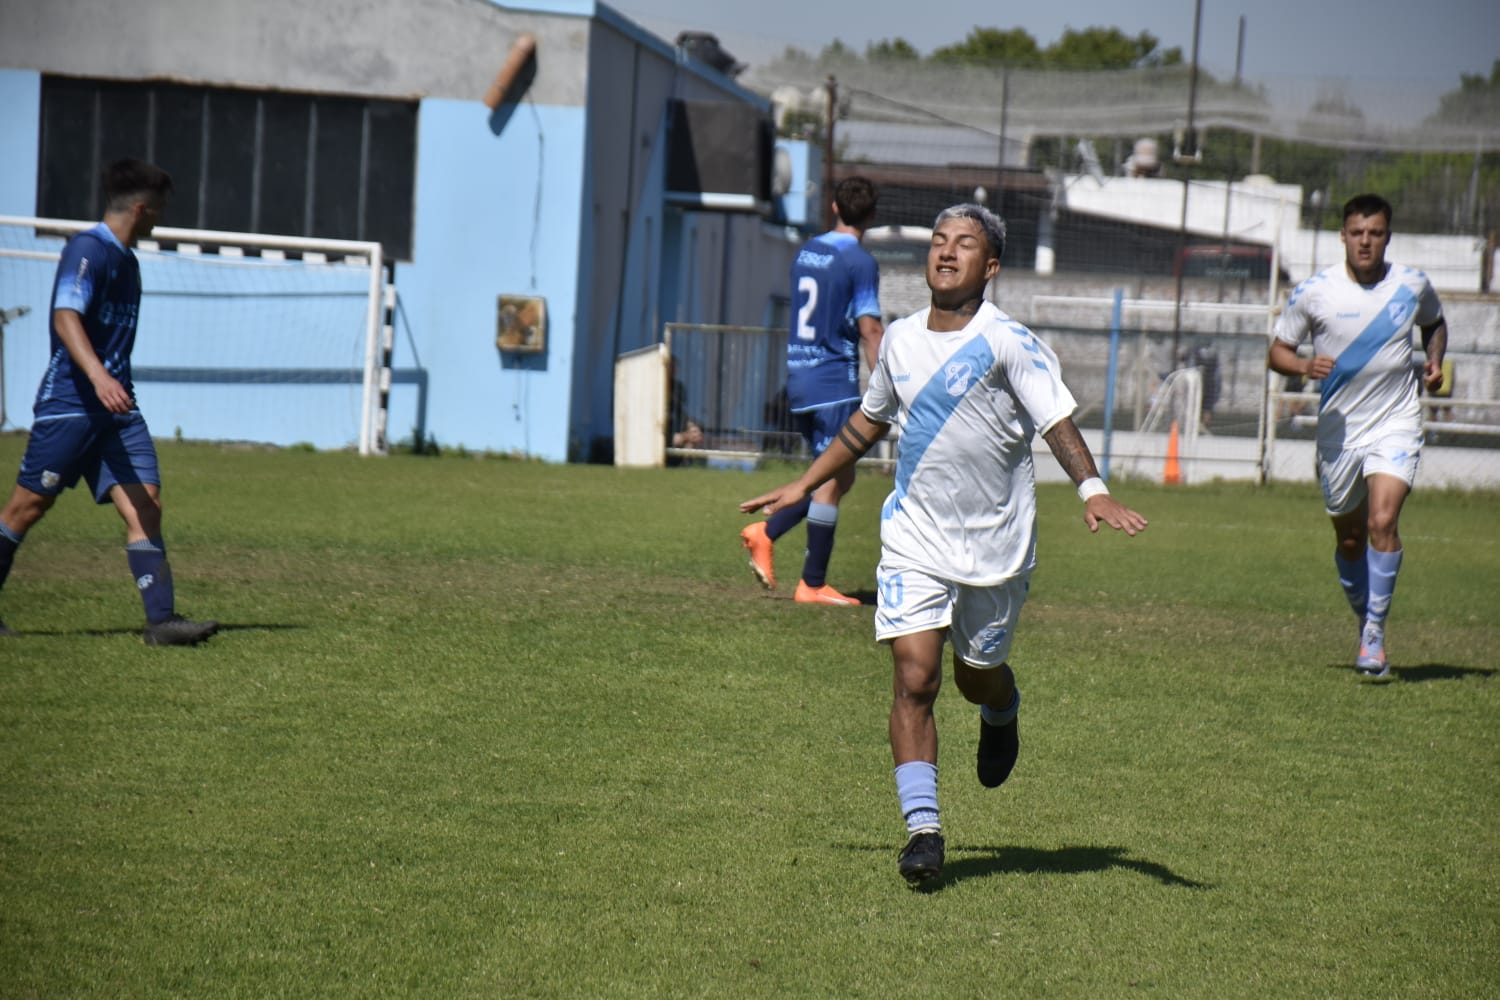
{"x": 857, "y": 436}
{"x": 1099, "y": 506}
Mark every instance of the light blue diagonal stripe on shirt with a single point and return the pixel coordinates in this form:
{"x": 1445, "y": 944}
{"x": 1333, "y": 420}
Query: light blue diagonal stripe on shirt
{"x": 932, "y": 407}
{"x": 1352, "y": 360}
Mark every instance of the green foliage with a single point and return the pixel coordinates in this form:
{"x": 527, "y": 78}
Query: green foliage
{"x": 892, "y": 50}
{"x": 481, "y": 729}
{"x": 1088, "y": 49}
{"x": 836, "y": 52}
{"x": 1012, "y": 47}
{"x": 1108, "y": 48}
{"x": 1476, "y": 100}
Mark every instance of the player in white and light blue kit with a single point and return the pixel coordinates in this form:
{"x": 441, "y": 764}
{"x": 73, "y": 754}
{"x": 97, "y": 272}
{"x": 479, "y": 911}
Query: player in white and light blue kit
{"x": 1359, "y": 315}
{"x": 969, "y": 387}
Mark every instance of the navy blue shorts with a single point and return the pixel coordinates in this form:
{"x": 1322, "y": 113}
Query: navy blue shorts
{"x": 105, "y": 449}
{"x": 820, "y": 427}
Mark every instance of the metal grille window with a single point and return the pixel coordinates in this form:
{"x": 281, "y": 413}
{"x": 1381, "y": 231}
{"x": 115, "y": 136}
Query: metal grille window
{"x": 245, "y": 161}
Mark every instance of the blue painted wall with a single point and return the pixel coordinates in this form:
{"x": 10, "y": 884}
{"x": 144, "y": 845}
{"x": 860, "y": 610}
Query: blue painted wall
{"x": 20, "y": 124}
{"x": 498, "y": 212}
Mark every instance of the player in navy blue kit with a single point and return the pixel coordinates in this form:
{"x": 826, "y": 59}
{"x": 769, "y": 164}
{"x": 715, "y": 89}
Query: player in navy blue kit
{"x": 836, "y": 310}
{"x": 85, "y": 421}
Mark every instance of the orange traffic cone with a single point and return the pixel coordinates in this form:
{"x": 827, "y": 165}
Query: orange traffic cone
{"x": 1172, "y": 475}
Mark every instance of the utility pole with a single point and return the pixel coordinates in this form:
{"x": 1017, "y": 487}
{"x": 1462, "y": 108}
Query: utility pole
{"x": 833, "y": 103}
{"x": 1186, "y": 155}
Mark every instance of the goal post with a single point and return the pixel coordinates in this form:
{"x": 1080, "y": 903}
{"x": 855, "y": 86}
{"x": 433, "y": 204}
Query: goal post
{"x": 243, "y": 336}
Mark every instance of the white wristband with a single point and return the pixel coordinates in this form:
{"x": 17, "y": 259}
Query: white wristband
{"x": 1091, "y": 488}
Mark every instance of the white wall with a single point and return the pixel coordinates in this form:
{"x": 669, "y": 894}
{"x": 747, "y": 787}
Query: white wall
{"x": 1261, "y": 212}
{"x": 384, "y": 48}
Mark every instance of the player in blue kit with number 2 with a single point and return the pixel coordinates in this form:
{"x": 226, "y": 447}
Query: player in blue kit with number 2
{"x": 85, "y": 422}
{"x": 835, "y": 309}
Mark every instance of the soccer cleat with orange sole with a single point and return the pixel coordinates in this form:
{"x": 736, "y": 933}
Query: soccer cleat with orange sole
{"x": 821, "y": 595}
{"x": 758, "y": 547}
{"x": 1371, "y": 664}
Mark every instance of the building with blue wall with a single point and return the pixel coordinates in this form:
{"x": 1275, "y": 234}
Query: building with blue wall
{"x": 564, "y": 190}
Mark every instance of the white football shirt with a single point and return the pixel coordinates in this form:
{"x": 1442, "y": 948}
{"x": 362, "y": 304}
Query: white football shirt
{"x": 1372, "y": 389}
{"x": 967, "y": 404}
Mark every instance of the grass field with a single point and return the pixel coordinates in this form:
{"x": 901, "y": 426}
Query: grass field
{"x": 483, "y": 728}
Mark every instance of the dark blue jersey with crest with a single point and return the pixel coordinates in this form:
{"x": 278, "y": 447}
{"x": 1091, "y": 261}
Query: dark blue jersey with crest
{"x": 835, "y": 281}
{"x": 100, "y": 279}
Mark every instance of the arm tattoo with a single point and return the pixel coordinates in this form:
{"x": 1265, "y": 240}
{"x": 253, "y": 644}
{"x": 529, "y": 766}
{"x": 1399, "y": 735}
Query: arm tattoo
{"x": 1072, "y": 452}
{"x": 853, "y": 439}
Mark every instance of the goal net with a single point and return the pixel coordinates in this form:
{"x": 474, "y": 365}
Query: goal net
{"x": 242, "y": 337}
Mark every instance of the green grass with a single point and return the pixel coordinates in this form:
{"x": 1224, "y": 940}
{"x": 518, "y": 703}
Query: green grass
{"x": 483, "y": 728}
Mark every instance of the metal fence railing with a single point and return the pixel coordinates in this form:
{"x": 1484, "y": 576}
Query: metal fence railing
{"x": 1240, "y": 423}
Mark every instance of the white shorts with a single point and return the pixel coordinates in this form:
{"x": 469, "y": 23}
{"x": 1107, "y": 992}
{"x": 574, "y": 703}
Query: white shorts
{"x": 1343, "y": 473}
{"x": 980, "y": 620}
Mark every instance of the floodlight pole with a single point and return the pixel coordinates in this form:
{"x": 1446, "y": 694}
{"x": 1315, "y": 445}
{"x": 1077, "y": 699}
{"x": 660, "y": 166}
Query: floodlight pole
{"x": 1186, "y": 158}
{"x": 833, "y": 103}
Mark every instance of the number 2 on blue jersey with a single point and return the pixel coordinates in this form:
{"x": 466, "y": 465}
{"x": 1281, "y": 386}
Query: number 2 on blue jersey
{"x": 807, "y": 285}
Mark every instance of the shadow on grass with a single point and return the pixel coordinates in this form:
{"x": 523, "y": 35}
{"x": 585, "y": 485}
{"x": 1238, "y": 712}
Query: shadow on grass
{"x": 975, "y": 862}
{"x": 101, "y": 633}
{"x": 1421, "y": 673}
{"x": 966, "y": 861}
{"x": 785, "y": 593}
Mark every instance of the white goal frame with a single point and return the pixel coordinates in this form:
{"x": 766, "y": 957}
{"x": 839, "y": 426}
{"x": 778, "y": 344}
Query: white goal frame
{"x": 379, "y": 334}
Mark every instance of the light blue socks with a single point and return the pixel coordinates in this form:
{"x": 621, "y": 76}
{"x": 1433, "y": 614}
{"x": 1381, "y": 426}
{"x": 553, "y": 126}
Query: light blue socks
{"x": 916, "y": 784}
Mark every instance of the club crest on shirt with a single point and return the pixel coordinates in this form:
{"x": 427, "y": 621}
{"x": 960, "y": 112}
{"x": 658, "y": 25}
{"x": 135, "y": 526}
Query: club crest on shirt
{"x": 990, "y": 638}
{"x": 957, "y": 377}
{"x": 1397, "y": 312}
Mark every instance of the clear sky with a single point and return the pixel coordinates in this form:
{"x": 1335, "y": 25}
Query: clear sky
{"x": 1431, "y": 41}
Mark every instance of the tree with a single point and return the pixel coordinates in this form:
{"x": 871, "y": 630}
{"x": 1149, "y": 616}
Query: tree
{"x": 1108, "y": 48}
{"x": 892, "y": 50}
{"x": 1014, "y": 47}
{"x": 1476, "y": 100}
{"x": 837, "y": 52}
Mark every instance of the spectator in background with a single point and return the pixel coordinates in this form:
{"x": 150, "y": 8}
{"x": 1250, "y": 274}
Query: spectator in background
{"x": 683, "y": 431}
{"x": 1359, "y": 315}
{"x": 835, "y": 310}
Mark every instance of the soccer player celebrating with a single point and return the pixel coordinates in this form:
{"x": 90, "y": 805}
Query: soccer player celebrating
{"x": 836, "y": 305}
{"x": 85, "y": 420}
{"x": 1359, "y": 314}
{"x": 969, "y": 387}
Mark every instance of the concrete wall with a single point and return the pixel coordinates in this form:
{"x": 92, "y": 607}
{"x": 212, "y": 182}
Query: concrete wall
{"x": 20, "y": 123}
{"x": 387, "y": 48}
{"x": 1259, "y": 211}
{"x": 496, "y": 214}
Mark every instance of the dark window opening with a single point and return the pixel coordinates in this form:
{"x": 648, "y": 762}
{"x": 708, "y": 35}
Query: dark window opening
{"x": 246, "y": 161}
